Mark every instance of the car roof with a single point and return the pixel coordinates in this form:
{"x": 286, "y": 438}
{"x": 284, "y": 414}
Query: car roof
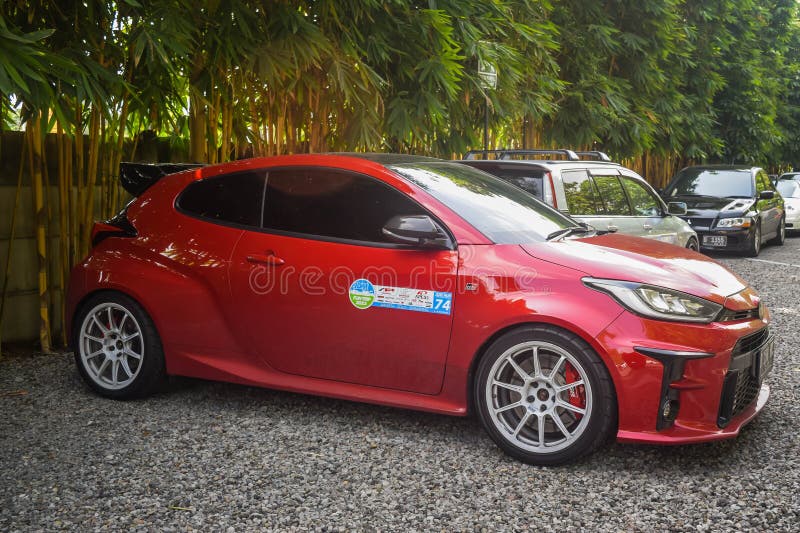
{"x": 721, "y": 167}
{"x": 388, "y": 159}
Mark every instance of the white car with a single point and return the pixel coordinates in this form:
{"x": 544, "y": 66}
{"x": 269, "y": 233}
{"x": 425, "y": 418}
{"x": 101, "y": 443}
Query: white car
{"x": 592, "y": 189}
{"x": 790, "y": 190}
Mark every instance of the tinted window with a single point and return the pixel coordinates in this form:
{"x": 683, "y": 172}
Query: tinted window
{"x": 614, "y": 199}
{"x": 581, "y": 193}
{"x": 332, "y": 203}
{"x": 642, "y": 200}
{"x": 234, "y": 198}
{"x": 711, "y": 182}
{"x": 500, "y": 211}
{"x": 527, "y": 177}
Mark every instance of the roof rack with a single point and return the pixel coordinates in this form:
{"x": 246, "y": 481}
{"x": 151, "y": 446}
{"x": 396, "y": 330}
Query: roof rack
{"x": 570, "y": 155}
{"x": 506, "y": 154}
{"x": 602, "y": 156}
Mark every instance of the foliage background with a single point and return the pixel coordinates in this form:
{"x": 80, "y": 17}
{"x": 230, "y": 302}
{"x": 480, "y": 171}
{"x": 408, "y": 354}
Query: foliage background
{"x": 656, "y": 83}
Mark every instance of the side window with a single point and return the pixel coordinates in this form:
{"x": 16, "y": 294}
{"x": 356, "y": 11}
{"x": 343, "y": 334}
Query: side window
{"x": 527, "y": 177}
{"x": 332, "y": 203}
{"x": 581, "y": 195}
{"x": 614, "y": 199}
{"x": 643, "y": 203}
{"x": 233, "y": 198}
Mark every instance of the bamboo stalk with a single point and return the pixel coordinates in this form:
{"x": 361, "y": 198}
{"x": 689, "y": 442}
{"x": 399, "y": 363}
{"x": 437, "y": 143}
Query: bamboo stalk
{"x": 33, "y": 129}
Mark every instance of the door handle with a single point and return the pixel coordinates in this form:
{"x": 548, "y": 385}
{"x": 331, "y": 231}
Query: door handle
{"x": 612, "y": 228}
{"x": 646, "y": 226}
{"x": 266, "y": 259}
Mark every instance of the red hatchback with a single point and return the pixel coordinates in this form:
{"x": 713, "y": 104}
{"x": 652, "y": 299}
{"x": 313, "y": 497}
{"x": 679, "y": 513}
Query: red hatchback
{"x": 418, "y": 283}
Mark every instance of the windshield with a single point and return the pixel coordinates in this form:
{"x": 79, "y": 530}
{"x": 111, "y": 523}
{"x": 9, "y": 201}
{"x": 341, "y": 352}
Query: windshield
{"x": 710, "y": 182}
{"x": 789, "y": 188}
{"x": 501, "y": 211}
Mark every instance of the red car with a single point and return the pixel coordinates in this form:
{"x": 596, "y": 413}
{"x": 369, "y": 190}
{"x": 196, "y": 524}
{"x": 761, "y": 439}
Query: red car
{"x": 417, "y": 283}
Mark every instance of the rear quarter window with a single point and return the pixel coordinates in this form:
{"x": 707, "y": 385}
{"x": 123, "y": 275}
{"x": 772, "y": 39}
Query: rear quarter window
{"x": 233, "y": 198}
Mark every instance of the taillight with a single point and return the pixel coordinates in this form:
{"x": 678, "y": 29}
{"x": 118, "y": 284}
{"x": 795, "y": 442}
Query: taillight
{"x": 119, "y": 226}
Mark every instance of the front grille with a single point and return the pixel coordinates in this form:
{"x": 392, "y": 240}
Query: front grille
{"x": 702, "y": 222}
{"x": 751, "y": 342}
{"x": 740, "y": 387}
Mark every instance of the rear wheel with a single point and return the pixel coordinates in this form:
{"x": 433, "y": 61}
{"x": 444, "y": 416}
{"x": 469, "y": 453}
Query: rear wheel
{"x": 544, "y": 396}
{"x": 117, "y": 349}
{"x": 755, "y": 242}
{"x": 780, "y": 238}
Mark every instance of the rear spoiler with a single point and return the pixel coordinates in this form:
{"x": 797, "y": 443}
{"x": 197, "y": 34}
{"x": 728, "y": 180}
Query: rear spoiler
{"x": 138, "y": 177}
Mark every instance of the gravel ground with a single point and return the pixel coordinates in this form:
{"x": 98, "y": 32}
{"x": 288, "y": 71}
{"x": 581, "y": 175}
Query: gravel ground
{"x": 213, "y": 456}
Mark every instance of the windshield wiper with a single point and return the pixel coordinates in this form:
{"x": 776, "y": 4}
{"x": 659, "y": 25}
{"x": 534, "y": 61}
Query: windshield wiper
{"x": 572, "y": 230}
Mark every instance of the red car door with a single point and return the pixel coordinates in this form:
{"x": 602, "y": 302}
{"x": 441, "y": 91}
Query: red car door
{"x": 319, "y": 292}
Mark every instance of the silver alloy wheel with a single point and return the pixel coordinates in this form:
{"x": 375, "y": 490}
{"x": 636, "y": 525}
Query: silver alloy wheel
{"x": 111, "y": 346}
{"x": 691, "y": 244}
{"x": 528, "y": 397}
{"x": 782, "y": 230}
{"x": 757, "y": 238}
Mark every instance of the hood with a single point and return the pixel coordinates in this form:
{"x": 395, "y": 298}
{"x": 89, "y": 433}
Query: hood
{"x": 711, "y": 206}
{"x": 623, "y": 257}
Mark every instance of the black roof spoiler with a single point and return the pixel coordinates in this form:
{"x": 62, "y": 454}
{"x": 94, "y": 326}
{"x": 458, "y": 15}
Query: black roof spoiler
{"x": 138, "y": 177}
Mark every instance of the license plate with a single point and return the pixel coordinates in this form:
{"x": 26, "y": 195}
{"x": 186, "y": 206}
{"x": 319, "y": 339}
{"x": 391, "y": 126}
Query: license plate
{"x": 766, "y": 357}
{"x": 715, "y": 240}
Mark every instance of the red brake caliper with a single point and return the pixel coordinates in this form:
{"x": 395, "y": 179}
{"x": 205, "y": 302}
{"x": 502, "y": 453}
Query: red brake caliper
{"x": 577, "y": 395}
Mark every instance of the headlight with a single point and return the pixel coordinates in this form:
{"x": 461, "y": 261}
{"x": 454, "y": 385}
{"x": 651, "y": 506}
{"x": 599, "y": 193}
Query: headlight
{"x": 790, "y": 208}
{"x": 734, "y": 223}
{"x": 657, "y": 302}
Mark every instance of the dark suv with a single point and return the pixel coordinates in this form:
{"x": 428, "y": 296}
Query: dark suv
{"x": 731, "y": 207}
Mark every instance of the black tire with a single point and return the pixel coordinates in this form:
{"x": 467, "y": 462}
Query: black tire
{"x": 754, "y": 247}
{"x": 780, "y": 238}
{"x": 692, "y": 244}
{"x": 601, "y": 409}
{"x": 150, "y": 369}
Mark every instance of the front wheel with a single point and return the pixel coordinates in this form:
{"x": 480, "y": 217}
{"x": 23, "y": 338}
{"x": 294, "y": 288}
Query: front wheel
{"x": 544, "y": 396}
{"x": 780, "y": 238}
{"x": 117, "y": 349}
{"x": 755, "y": 243}
{"x": 691, "y": 244}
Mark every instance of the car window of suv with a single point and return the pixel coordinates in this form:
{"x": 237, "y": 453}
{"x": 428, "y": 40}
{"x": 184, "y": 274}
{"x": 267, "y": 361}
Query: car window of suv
{"x": 232, "y": 198}
{"x": 643, "y": 203}
{"x": 582, "y": 198}
{"x": 613, "y": 196}
{"x": 332, "y": 203}
{"x": 527, "y": 177}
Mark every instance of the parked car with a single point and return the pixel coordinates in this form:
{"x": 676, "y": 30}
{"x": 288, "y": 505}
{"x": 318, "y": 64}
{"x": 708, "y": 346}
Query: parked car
{"x": 731, "y": 207}
{"x": 419, "y": 283}
{"x": 597, "y": 192}
{"x": 789, "y": 189}
{"x": 789, "y": 176}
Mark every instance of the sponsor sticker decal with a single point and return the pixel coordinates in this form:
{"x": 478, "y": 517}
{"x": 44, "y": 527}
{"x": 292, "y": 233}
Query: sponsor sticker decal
{"x": 364, "y": 294}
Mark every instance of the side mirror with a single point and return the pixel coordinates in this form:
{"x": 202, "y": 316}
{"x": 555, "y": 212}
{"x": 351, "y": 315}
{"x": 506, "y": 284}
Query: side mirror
{"x": 677, "y": 208}
{"x": 417, "y": 230}
{"x": 766, "y": 195}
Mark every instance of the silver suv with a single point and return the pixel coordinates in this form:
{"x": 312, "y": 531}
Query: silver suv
{"x": 592, "y": 189}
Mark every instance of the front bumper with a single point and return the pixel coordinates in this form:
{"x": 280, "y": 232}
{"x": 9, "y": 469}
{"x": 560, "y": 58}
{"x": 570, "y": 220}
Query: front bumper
{"x": 643, "y": 383}
{"x": 738, "y": 239}
{"x": 793, "y": 220}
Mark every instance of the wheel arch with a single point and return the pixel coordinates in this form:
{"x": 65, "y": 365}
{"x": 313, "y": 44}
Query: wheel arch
{"x": 538, "y": 321}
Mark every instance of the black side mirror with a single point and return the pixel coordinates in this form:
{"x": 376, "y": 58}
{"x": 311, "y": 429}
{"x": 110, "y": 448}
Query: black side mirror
{"x": 766, "y": 195}
{"x": 677, "y": 208}
{"x": 417, "y": 230}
